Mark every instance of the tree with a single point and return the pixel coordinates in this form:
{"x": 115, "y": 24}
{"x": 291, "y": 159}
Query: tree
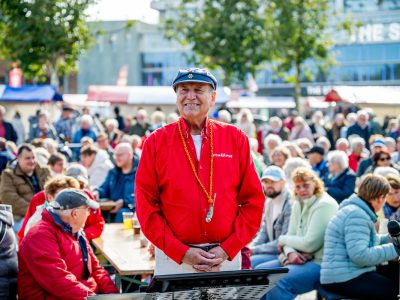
{"x": 225, "y": 34}
{"x": 45, "y": 37}
{"x": 297, "y": 32}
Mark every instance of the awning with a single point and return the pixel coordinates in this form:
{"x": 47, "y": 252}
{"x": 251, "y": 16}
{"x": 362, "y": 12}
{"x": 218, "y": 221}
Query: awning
{"x": 262, "y": 102}
{"x": 141, "y": 95}
{"x": 364, "y": 94}
{"x": 30, "y": 93}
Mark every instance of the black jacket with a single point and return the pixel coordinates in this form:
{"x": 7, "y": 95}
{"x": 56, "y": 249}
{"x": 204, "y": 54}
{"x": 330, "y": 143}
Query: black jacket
{"x": 11, "y": 134}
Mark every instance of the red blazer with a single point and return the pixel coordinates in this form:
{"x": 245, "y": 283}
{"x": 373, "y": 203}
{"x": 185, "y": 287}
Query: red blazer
{"x": 94, "y": 224}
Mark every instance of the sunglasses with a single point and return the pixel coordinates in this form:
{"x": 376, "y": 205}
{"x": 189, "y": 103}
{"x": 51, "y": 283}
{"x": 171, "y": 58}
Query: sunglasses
{"x": 384, "y": 158}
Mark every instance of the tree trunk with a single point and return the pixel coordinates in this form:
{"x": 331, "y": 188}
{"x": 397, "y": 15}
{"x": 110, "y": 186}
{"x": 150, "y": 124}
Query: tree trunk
{"x": 54, "y": 80}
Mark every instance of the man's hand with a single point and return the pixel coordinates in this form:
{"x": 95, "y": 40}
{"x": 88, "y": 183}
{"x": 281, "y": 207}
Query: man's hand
{"x": 219, "y": 254}
{"x": 96, "y": 195}
{"x": 198, "y": 257}
{"x": 280, "y": 248}
{"x": 118, "y": 205}
{"x": 296, "y": 258}
{"x": 151, "y": 250}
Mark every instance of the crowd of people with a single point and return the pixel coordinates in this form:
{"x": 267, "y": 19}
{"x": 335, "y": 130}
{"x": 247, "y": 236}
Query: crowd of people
{"x": 329, "y": 188}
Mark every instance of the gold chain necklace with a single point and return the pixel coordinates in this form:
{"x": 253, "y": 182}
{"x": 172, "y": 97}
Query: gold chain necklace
{"x": 210, "y": 200}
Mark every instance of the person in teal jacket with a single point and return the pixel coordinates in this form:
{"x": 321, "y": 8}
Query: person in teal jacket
{"x": 303, "y": 244}
{"x": 353, "y": 250}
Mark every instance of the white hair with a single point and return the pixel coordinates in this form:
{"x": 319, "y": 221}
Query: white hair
{"x": 42, "y": 155}
{"x": 224, "y": 116}
{"x": 339, "y": 158}
{"x": 272, "y": 137}
{"x": 88, "y": 119}
{"x": 245, "y": 111}
{"x": 112, "y": 122}
{"x": 172, "y": 117}
{"x": 351, "y": 117}
{"x": 157, "y": 117}
{"x": 124, "y": 145}
{"x": 292, "y": 163}
{"x": 141, "y": 112}
{"x": 323, "y": 140}
{"x": 390, "y": 142}
{"x": 355, "y": 142}
{"x": 342, "y": 141}
{"x": 363, "y": 112}
{"x": 275, "y": 119}
{"x": 384, "y": 171}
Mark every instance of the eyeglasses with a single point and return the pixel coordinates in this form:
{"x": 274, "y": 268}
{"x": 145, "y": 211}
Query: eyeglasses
{"x": 384, "y": 158}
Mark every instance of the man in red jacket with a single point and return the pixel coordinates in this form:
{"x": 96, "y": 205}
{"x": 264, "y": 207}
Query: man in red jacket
{"x": 55, "y": 259}
{"x": 95, "y": 222}
{"x": 198, "y": 197}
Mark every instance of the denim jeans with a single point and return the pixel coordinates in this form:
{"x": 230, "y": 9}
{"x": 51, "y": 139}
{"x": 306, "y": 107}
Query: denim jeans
{"x": 300, "y": 279}
{"x": 258, "y": 260}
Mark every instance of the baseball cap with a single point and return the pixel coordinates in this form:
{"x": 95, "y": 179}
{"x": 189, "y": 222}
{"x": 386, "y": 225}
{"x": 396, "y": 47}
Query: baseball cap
{"x": 194, "y": 75}
{"x": 72, "y": 198}
{"x": 378, "y": 142}
{"x": 78, "y": 172}
{"x": 316, "y": 149}
{"x": 273, "y": 173}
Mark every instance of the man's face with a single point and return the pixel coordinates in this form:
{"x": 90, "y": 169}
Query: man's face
{"x": 79, "y": 216}
{"x": 194, "y": 100}
{"x": 393, "y": 198}
{"x": 27, "y": 161}
{"x": 87, "y": 160}
{"x": 85, "y": 125}
{"x": 59, "y": 167}
{"x": 103, "y": 143}
{"x": 123, "y": 157}
{"x": 314, "y": 158}
{"x": 272, "y": 188}
{"x": 362, "y": 120}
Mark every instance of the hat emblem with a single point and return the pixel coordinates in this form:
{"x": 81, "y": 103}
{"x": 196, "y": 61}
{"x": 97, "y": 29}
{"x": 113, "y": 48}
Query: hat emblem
{"x": 190, "y": 76}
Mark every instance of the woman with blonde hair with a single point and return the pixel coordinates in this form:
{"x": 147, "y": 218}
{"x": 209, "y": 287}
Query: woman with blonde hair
{"x": 279, "y": 156}
{"x": 303, "y": 245}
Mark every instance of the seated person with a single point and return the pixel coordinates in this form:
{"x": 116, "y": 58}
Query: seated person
{"x": 319, "y": 164}
{"x": 94, "y": 224}
{"x": 55, "y": 260}
{"x": 392, "y": 203}
{"x": 276, "y": 216}
{"x": 57, "y": 163}
{"x": 97, "y": 163}
{"x": 303, "y": 244}
{"x": 8, "y": 255}
{"x": 120, "y": 182}
{"x": 341, "y": 181}
{"x": 353, "y": 250}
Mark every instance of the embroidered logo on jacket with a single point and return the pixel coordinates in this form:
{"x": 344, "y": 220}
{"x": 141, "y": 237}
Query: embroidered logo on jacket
{"x": 222, "y": 155}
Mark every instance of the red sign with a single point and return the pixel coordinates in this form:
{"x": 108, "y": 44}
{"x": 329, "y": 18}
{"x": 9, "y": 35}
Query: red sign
{"x": 15, "y": 77}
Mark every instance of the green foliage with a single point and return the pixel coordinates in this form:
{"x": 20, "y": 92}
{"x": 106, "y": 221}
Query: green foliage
{"x": 225, "y": 34}
{"x": 44, "y": 36}
{"x": 297, "y": 34}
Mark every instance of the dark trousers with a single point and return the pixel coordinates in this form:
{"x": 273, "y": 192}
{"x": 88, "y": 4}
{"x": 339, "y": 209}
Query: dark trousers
{"x": 382, "y": 284}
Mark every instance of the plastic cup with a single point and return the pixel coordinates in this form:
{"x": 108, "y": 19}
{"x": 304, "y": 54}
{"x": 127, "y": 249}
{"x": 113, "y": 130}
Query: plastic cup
{"x": 136, "y": 229}
{"x": 127, "y": 220}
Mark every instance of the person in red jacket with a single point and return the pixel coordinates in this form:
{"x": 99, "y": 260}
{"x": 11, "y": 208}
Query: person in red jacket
{"x": 198, "y": 197}
{"x": 55, "y": 260}
{"x": 95, "y": 222}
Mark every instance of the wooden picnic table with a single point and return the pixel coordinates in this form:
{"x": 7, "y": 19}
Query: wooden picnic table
{"x": 122, "y": 250}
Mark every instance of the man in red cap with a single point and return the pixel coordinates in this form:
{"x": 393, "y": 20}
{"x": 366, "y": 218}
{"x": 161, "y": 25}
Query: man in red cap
{"x": 198, "y": 197}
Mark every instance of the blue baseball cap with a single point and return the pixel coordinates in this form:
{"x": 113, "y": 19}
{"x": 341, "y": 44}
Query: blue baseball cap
{"x": 378, "y": 142}
{"x": 273, "y": 173}
{"x": 195, "y": 75}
